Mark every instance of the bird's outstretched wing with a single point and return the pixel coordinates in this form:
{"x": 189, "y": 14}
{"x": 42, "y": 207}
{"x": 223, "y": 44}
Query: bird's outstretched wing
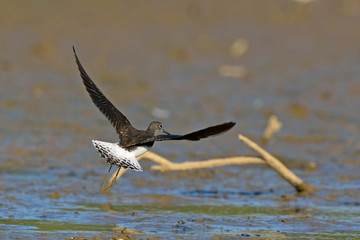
{"x": 116, "y": 118}
{"x": 194, "y": 136}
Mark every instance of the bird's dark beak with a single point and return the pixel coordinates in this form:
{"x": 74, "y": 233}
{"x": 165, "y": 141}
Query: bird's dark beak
{"x": 166, "y": 132}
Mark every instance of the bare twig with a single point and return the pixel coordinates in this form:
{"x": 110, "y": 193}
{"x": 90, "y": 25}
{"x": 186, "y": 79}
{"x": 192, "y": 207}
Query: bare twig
{"x": 274, "y": 125}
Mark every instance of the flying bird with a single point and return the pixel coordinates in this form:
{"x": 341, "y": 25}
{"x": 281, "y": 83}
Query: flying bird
{"x": 133, "y": 142}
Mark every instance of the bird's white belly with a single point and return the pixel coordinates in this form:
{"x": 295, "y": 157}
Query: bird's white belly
{"x": 138, "y": 151}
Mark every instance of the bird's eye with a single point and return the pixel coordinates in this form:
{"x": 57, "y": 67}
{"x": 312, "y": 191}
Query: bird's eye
{"x": 160, "y": 126}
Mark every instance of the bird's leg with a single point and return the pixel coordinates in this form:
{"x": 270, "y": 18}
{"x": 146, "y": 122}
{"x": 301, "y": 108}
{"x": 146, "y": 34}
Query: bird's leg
{"x": 106, "y": 176}
{"x": 113, "y": 180}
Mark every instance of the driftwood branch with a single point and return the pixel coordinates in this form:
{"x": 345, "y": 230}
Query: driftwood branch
{"x": 273, "y": 126}
{"x": 166, "y": 165}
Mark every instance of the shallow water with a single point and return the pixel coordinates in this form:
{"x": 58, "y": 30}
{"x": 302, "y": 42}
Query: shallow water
{"x": 301, "y": 64}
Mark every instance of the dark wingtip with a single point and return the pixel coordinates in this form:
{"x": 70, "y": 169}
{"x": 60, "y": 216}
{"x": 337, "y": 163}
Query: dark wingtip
{"x": 80, "y": 67}
{"x": 229, "y": 124}
{"x": 76, "y": 57}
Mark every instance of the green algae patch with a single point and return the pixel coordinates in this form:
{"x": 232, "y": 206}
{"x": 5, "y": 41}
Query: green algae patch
{"x": 53, "y": 226}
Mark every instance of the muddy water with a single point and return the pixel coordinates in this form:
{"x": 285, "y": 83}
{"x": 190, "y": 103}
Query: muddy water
{"x": 301, "y": 62}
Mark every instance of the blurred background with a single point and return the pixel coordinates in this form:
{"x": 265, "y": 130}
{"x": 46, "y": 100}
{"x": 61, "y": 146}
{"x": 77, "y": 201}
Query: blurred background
{"x": 189, "y": 64}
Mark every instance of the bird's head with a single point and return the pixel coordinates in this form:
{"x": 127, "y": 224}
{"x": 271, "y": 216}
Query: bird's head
{"x": 156, "y": 128}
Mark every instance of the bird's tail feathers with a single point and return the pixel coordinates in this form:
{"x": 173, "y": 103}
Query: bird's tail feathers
{"x": 116, "y": 155}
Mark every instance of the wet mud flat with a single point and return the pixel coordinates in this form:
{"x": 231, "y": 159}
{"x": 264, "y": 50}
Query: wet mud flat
{"x": 203, "y": 210}
{"x": 296, "y": 60}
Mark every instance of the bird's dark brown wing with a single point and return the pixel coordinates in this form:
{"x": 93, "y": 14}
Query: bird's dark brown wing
{"x": 116, "y": 118}
{"x": 206, "y": 132}
{"x": 194, "y": 136}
